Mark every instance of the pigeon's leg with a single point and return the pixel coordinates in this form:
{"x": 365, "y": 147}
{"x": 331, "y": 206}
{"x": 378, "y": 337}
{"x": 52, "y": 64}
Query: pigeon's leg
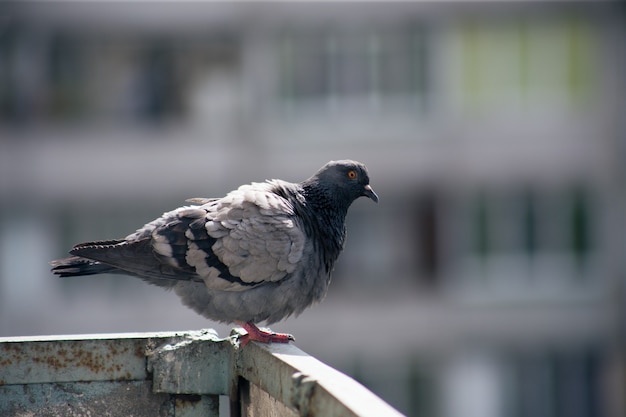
{"x": 254, "y": 333}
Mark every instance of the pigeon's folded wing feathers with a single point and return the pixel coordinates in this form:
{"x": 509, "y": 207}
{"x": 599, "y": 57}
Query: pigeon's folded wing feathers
{"x": 253, "y": 234}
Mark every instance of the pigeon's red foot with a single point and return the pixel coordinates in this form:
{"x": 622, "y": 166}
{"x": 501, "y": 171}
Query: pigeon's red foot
{"x": 254, "y": 333}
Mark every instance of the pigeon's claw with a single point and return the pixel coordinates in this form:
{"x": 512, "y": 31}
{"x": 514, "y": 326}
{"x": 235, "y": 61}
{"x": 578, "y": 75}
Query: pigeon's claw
{"x": 254, "y": 333}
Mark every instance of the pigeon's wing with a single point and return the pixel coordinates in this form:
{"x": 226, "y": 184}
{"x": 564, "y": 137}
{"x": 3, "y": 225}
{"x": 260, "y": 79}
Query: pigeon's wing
{"x": 138, "y": 254}
{"x": 249, "y": 237}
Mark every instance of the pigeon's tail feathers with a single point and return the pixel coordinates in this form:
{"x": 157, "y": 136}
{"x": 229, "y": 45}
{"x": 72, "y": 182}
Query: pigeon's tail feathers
{"x": 136, "y": 258}
{"x": 75, "y": 266}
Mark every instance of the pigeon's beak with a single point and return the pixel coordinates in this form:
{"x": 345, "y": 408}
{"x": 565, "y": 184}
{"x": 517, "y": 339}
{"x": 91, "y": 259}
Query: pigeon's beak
{"x": 368, "y": 192}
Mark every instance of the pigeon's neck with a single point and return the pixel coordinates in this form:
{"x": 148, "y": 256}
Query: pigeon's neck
{"x": 324, "y": 203}
{"x": 326, "y": 221}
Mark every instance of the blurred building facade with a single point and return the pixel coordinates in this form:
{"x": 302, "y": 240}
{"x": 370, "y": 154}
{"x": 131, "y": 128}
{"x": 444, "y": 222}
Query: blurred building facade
{"x": 494, "y": 134}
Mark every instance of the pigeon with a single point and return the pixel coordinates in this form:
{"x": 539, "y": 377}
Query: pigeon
{"x": 262, "y": 253}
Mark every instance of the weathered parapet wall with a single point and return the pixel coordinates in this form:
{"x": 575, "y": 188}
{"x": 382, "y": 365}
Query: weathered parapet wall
{"x": 172, "y": 374}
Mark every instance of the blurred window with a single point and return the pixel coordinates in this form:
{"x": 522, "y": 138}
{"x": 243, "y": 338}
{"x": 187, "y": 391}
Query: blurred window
{"x": 9, "y": 107}
{"x": 65, "y": 76}
{"x": 358, "y": 66}
{"x": 526, "y": 62}
{"x": 528, "y": 237}
{"x": 481, "y": 227}
{"x": 562, "y": 383}
{"x": 529, "y": 222}
{"x": 158, "y": 91}
{"x": 580, "y": 226}
{"x": 41, "y": 75}
{"x": 305, "y": 65}
{"x": 427, "y": 233}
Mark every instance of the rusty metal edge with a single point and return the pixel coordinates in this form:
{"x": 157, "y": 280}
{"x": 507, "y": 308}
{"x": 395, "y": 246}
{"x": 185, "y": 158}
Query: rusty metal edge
{"x": 76, "y": 358}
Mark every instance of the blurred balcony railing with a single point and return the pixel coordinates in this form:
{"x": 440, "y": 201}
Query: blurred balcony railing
{"x": 172, "y": 374}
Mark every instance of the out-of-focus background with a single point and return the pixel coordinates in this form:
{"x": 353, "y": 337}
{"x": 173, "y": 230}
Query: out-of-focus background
{"x": 489, "y": 281}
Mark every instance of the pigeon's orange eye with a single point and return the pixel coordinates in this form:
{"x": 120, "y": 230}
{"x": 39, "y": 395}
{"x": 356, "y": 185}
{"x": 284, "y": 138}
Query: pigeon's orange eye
{"x": 352, "y": 174}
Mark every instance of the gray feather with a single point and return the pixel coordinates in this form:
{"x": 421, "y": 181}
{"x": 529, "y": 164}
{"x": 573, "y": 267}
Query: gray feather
{"x": 261, "y": 253}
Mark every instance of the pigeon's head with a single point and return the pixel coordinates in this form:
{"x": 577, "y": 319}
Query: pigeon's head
{"x": 346, "y": 180}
